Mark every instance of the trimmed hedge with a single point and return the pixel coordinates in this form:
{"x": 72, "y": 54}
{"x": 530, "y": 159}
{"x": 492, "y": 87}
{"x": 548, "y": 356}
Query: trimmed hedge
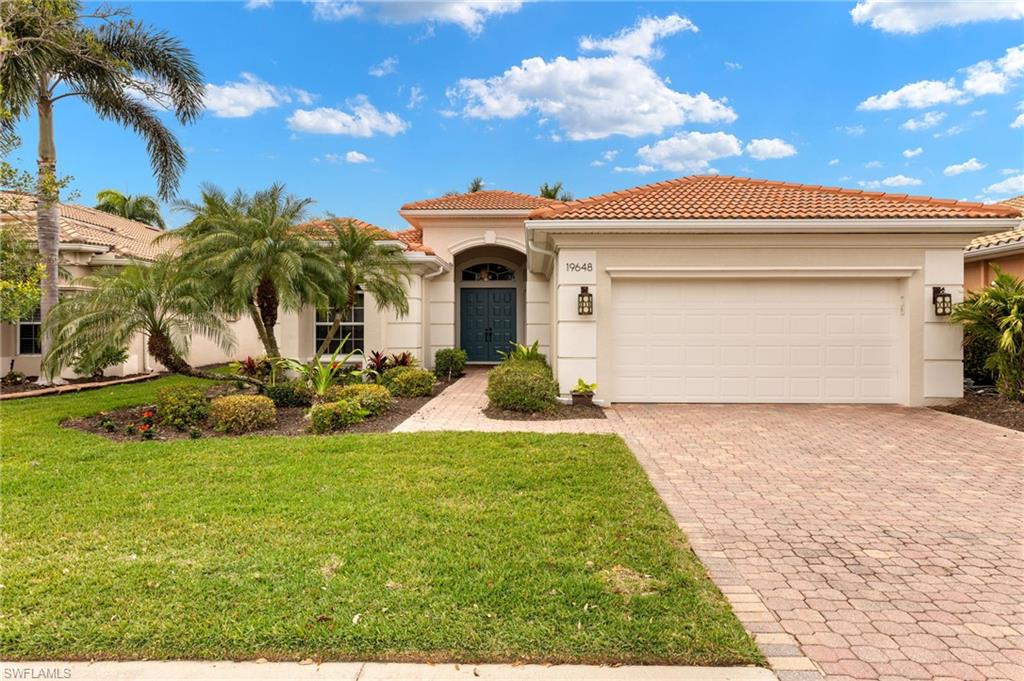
{"x": 182, "y": 406}
{"x": 375, "y": 399}
{"x": 242, "y": 413}
{"x": 522, "y": 385}
{"x": 412, "y": 382}
{"x": 289, "y": 394}
{"x": 325, "y": 418}
{"x": 449, "y": 362}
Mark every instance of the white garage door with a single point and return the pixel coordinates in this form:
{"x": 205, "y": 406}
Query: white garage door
{"x": 757, "y": 341}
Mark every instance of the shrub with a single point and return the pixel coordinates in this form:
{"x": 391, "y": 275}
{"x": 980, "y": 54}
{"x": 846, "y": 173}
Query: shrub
{"x": 242, "y": 413}
{"x": 402, "y": 359}
{"x": 388, "y": 377}
{"x": 259, "y": 368}
{"x": 521, "y": 352}
{"x": 995, "y": 315}
{"x": 289, "y": 394}
{"x": 412, "y": 383}
{"x": 94, "y": 363}
{"x": 375, "y": 399}
{"x": 325, "y": 418}
{"x": 977, "y": 350}
{"x": 449, "y": 362}
{"x": 182, "y": 406}
{"x": 522, "y": 386}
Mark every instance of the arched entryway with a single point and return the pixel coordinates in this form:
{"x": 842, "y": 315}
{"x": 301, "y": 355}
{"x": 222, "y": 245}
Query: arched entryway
{"x": 490, "y": 300}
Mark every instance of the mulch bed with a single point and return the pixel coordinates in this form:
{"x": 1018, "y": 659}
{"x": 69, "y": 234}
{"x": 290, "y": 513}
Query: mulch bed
{"x": 988, "y": 406}
{"x": 291, "y": 421}
{"x": 562, "y": 412}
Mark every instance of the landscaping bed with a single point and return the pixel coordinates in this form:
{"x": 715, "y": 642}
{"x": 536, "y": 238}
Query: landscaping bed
{"x": 990, "y": 407}
{"x": 465, "y": 547}
{"x": 30, "y": 384}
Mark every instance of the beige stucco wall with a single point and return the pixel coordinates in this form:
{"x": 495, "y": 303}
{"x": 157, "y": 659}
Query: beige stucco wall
{"x": 933, "y": 360}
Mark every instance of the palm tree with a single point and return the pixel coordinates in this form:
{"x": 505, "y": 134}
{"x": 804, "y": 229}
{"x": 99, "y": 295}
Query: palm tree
{"x": 53, "y": 50}
{"x": 159, "y": 299}
{"x": 475, "y": 185}
{"x": 994, "y": 317}
{"x": 138, "y": 207}
{"x": 361, "y": 264}
{"x": 252, "y": 257}
{"x": 554, "y": 191}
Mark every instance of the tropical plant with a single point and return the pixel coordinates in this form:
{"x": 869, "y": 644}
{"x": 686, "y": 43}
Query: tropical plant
{"x": 995, "y": 314}
{"x": 21, "y": 272}
{"x": 53, "y": 50}
{"x": 251, "y": 255}
{"x": 475, "y": 185}
{"x": 402, "y": 359}
{"x": 159, "y": 300}
{"x": 138, "y": 207}
{"x": 377, "y": 361}
{"x": 584, "y": 388}
{"x": 360, "y": 265}
{"x": 94, "y": 363}
{"x": 523, "y": 353}
{"x": 320, "y": 376}
{"x": 261, "y": 368}
{"x": 554, "y": 191}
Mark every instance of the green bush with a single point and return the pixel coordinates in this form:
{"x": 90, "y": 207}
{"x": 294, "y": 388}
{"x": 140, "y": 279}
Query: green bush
{"x": 94, "y": 363}
{"x": 375, "y": 399}
{"x": 289, "y": 394}
{"x": 389, "y": 375}
{"x": 182, "y": 406}
{"x": 449, "y": 362}
{"x": 522, "y": 385}
{"x": 977, "y": 350}
{"x": 242, "y": 413}
{"x": 325, "y": 418}
{"x": 412, "y": 383}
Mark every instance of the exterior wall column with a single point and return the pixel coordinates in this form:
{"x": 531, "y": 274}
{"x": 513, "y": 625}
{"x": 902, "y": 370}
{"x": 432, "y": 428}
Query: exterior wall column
{"x": 943, "y": 351}
{"x": 576, "y": 344}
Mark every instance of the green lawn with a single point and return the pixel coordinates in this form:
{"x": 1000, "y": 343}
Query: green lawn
{"x": 470, "y": 547}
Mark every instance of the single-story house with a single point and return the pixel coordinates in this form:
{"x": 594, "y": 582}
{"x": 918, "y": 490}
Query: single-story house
{"x": 1004, "y": 250}
{"x": 699, "y": 289}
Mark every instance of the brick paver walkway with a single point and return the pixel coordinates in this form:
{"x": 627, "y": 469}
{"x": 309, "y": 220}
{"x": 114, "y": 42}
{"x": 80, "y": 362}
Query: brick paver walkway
{"x": 879, "y": 542}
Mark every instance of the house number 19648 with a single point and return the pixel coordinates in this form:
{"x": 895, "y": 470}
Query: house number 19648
{"x": 579, "y": 267}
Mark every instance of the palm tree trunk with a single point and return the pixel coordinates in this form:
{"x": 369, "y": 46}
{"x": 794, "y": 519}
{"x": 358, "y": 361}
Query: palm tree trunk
{"x": 266, "y": 302}
{"x": 47, "y": 211}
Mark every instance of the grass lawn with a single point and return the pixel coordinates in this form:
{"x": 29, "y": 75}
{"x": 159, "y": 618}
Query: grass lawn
{"x": 453, "y": 546}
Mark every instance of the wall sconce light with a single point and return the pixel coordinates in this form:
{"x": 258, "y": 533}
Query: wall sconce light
{"x": 942, "y": 301}
{"x": 586, "y": 301}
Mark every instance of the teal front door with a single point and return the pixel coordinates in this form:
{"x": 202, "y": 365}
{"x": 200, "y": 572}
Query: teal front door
{"x": 488, "y": 322}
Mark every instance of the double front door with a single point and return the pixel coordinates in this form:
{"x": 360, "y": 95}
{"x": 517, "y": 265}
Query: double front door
{"x": 488, "y": 322}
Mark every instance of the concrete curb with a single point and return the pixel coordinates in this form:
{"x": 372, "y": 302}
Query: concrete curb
{"x": 78, "y": 387}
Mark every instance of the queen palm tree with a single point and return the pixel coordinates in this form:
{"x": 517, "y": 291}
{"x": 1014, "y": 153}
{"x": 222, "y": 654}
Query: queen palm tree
{"x": 554, "y": 191}
{"x": 54, "y": 50}
{"x": 138, "y": 207}
{"x": 360, "y": 264}
{"x": 160, "y": 300}
{"x": 253, "y": 259}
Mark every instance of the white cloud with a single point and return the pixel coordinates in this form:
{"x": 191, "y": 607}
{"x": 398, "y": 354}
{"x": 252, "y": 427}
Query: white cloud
{"x": 258, "y": 4}
{"x": 763, "y": 149}
{"x": 590, "y": 97}
{"x": 1009, "y": 171}
{"x": 911, "y": 153}
{"x": 929, "y": 120}
{"x": 1010, "y": 186}
{"x": 606, "y": 158}
{"x": 988, "y": 78}
{"x": 852, "y": 130}
{"x": 416, "y": 97}
{"x": 639, "y": 40}
{"x": 950, "y": 132}
{"x": 914, "y": 16}
{"x": 363, "y": 121}
{"x": 978, "y": 113}
{"x": 969, "y": 166}
{"x": 834, "y": 162}
{"x": 873, "y": 164}
{"x": 1018, "y": 122}
{"x": 919, "y": 95}
{"x": 357, "y": 157}
{"x": 687, "y": 152}
{"x": 243, "y": 98}
{"x": 384, "y": 68}
{"x": 893, "y": 181}
{"x": 733, "y": 66}
{"x": 470, "y": 15}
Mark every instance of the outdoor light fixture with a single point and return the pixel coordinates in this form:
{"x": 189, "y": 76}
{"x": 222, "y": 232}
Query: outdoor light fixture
{"x": 586, "y": 301}
{"x": 942, "y": 301}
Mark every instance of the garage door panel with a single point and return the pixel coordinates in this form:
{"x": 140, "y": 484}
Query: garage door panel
{"x": 746, "y": 341}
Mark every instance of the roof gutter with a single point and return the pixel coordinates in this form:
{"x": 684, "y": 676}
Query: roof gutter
{"x": 776, "y": 226}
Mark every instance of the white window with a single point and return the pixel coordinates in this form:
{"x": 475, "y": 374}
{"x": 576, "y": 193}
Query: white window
{"x": 30, "y": 334}
{"x": 353, "y": 327}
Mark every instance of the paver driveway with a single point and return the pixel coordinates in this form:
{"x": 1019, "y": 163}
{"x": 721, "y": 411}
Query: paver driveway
{"x": 880, "y": 542}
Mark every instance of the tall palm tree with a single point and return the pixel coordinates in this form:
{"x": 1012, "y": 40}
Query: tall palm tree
{"x": 138, "y": 207}
{"x": 54, "y": 50}
{"x": 159, "y": 299}
{"x": 252, "y": 257}
{"x": 475, "y": 185}
{"x": 361, "y": 264}
{"x": 554, "y": 191}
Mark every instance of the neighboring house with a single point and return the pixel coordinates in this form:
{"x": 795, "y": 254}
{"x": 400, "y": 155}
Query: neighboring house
{"x": 1003, "y": 249}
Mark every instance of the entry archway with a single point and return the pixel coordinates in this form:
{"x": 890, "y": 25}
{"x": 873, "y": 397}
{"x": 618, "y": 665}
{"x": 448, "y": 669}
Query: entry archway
{"x": 490, "y": 301}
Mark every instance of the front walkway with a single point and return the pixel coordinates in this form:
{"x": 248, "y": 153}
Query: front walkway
{"x": 866, "y": 542}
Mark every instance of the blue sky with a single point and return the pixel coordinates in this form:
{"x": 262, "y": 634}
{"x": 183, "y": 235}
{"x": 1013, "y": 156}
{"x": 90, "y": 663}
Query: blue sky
{"x": 366, "y": 106}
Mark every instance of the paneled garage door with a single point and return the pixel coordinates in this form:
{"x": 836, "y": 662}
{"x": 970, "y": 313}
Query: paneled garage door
{"x": 716, "y": 340}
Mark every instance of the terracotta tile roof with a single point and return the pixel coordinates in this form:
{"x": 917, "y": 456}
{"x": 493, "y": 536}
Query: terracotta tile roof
{"x": 81, "y": 225}
{"x": 723, "y": 197}
{"x": 1016, "y": 202}
{"x": 485, "y": 199}
{"x": 1013, "y": 236}
{"x": 412, "y": 238}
